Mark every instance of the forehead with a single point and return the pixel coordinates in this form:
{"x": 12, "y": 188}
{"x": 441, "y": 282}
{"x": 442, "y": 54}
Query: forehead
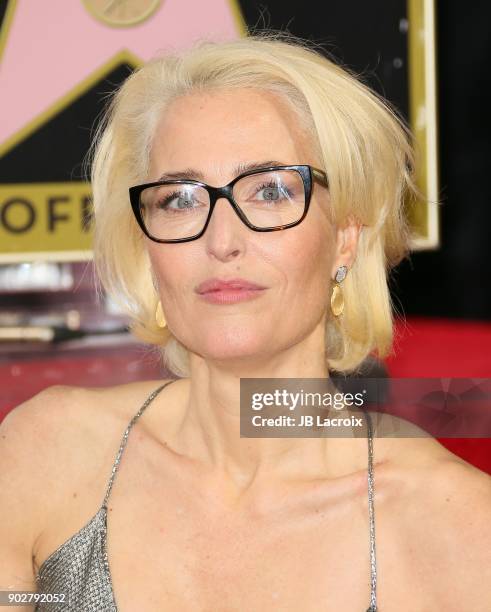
{"x": 217, "y": 130}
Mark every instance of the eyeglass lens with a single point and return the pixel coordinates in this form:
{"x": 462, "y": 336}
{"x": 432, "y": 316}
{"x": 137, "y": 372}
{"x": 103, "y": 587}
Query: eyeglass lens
{"x": 179, "y": 210}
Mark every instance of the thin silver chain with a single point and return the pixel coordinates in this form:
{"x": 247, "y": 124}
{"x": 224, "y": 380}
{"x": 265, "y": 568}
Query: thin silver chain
{"x": 371, "y": 514}
{"x": 149, "y": 399}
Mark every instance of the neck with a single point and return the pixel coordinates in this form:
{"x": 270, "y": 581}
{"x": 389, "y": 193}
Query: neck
{"x": 209, "y": 432}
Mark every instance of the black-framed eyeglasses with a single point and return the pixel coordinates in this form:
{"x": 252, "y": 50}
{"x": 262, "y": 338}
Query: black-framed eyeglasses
{"x": 265, "y": 200}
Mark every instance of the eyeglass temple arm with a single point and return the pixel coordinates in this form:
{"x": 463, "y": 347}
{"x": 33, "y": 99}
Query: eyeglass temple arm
{"x": 321, "y": 176}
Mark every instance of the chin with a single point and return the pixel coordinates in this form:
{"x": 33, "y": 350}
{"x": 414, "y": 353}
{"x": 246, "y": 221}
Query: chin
{"x": 230, "y": 343}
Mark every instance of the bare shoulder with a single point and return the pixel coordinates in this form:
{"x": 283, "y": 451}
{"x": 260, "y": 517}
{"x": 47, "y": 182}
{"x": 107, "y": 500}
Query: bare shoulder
{"x": 439, "y": 512}
{"x": 62, "y": 433}
{"x": 53, "y": 411}
{"x": 454, "y": 511}
{"x": 56, "y": 450}
{"x": 46, "y": 420}
{"x": 427, "y": 465}
{"x": 462, "y": 493}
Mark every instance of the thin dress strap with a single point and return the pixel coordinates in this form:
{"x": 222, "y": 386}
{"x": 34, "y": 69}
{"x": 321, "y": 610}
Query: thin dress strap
{"x": 371, "y": 512}
{"x": 148, "y": 401}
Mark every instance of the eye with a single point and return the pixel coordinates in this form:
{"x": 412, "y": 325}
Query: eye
{"x": 183, "y": 200}
{"x": 272, "y": 191}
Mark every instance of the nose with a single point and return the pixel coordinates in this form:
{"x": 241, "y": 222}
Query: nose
{"x": 225, "y": 235}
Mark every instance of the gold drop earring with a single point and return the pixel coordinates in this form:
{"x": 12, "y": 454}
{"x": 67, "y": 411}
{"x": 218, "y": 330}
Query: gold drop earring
{"x": 337, "y": 298}
{"x": 159, "y": 316}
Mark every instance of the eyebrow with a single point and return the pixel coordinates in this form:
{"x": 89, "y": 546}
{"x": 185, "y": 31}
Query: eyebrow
{"x": 193, "y": 174}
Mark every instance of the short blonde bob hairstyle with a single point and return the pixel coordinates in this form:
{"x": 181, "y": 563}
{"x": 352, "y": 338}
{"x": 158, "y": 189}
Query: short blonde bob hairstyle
{"x": 362, "y": 145}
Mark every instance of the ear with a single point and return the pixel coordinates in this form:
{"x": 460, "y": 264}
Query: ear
{"x": 347, "y": 238}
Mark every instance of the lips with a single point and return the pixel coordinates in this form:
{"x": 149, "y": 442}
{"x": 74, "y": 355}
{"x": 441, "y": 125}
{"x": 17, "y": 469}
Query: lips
{"x": 233, "y": 284}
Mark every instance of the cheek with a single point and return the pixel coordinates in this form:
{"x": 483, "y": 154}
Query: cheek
{"x": 309, "y": 254}
{"x": 169, "y": 268}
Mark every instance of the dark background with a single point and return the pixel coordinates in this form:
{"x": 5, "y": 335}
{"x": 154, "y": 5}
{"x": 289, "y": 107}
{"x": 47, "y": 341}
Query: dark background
{"x": 451, "y": 281}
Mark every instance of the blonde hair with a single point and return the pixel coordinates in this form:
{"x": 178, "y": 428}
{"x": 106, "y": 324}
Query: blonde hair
{"x": 364, "y": 148}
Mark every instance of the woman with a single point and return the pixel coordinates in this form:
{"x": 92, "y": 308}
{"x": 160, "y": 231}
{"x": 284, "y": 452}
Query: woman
{"x": 193, "y": 516}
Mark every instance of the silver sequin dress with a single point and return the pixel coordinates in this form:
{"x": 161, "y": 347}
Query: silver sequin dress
{"x": 79, "y": 567}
